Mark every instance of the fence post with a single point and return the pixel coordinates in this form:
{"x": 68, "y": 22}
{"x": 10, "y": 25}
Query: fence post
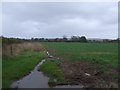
{"x": 11, "y": 50}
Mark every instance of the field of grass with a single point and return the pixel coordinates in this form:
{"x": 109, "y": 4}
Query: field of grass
{"x": 102, "y": 53}
{"x": 15, "y": 67}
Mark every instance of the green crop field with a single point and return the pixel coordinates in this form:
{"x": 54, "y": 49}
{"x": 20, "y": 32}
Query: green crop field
{"x": 103, "y": 53}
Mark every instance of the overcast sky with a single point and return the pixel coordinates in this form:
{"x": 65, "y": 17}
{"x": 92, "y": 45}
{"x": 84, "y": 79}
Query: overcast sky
{"x": 51, "y": 20}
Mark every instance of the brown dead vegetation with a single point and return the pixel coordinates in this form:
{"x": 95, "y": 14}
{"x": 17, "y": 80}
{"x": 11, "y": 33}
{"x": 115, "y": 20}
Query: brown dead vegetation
{"x": 17, "y": 48}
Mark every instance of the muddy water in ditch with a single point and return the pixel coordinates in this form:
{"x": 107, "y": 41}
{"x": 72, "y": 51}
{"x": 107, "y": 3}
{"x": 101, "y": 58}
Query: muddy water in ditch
{"x": 34, "y": 80}
{"x": 37, "y": 79}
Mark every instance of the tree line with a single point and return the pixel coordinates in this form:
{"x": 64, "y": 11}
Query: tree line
{"x": 81, "y": 39}
{"x": 64, "y": 39}
{"x": 6, "y": 40}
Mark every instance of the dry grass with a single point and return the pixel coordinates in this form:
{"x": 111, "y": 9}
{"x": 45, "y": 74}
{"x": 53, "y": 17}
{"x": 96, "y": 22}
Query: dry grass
{"x": 16, "y": 49}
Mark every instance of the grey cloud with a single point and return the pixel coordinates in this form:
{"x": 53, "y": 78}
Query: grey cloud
{"x": 57, "y": 19}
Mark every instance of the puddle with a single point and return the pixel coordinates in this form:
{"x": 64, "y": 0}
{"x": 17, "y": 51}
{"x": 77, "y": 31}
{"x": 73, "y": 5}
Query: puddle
{"x": 34, "y": 80}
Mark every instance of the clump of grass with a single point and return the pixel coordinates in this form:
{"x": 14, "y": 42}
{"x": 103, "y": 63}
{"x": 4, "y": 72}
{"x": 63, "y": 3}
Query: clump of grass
{"x": 50, "y": 68}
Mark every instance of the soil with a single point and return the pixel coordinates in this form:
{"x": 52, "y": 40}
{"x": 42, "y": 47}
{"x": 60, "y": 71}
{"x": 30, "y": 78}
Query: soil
{"x": 84, "y": 73}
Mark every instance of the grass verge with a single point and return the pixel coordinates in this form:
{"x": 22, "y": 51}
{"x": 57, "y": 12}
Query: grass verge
{"x": 14, "y": 67}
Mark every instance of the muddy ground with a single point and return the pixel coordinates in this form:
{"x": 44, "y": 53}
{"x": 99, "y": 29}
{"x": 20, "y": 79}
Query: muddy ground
{"x": 84, "y": 73}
